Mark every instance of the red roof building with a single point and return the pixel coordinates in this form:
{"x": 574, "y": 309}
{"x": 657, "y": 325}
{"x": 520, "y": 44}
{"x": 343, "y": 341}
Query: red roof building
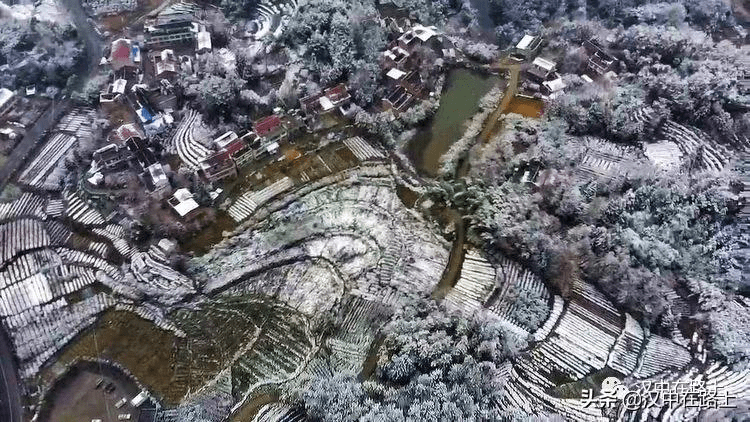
{"x": 218, "y": 166}
{"x": 124, "y": 54}
{"x": 270, "y": 129}
{"x": 125, "y": 132}
{"x": 267, "y": 125}
{"x": 337, "y": 94}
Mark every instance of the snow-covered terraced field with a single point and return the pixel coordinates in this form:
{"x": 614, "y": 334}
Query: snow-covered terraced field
{"x": 183, "y": 142}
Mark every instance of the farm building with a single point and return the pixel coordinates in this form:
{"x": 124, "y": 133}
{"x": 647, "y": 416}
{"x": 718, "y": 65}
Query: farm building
{"x": 125, "y": 55}
{"x": 395, "y": 56}
{"x": 183, "y": 203}
{"x": 270, "y": 129}
{"x": 203, "y": 41}
{"x": 111, "y": 157}
{"x": 419, "y": 35}
{"x": 166, "y": 65}
{"x": 174, "y": 25}
{"x": 541, "y": 69}
{"x": 554, "y": 87}
{"x": 7, "y": 100}
{"x": 158, "y": 177}
{"x": 218, "y": 166}
{"x": 528, "y": 47}
{"x": 325, "y": 102}
{"x": 599, "y": 61}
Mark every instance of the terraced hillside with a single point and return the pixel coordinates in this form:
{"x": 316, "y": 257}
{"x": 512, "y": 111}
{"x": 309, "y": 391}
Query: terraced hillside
{"x": 697, "y": 149}
{"x": 583, "y": 338}
{"x": 45, "y": 269}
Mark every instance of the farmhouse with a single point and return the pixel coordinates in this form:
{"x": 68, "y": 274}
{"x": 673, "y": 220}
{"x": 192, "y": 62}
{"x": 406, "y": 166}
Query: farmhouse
{"x": 123, "y": 133}
{"x": 158, "y": 177}
{"x": 528, "y": 47}
{"x": 218, "y": 166}
{"x": 203, "y": 41}
{"x": 172, "y": 26}
{"x": 541, "y": 69}
{"x": 113, "y": 92}
{"x": 599, "y": 61}
{"x": 238, "y": 148}
{"x": 182, "y": 203}
{"x": 7, "y": 100}
{"x": 395, "y": 57}
{"x": 125, "y": 56}
{"x": 112, "y": 157}
{"x": 554, "y": 87}
{"x": 325, "y": 102}
{"x": 270, "y": 129}
{"x": 419, "y": 35}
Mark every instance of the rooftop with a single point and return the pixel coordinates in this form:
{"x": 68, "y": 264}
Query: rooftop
{"x": 225, "y": 139}
{"x": 267, "y": 125}
{"x": 395, "y": 74}
{"x": 124, "y": 54}
{"x": 182, "y": 201}
{"x": 5, "y": 96}
{"x": 118, "y": 86}
{"x": 525, "y": 42}
{"x": 545, "y": 64}
{"x": 125, "y": 132}
{"x": 204, "y": 40}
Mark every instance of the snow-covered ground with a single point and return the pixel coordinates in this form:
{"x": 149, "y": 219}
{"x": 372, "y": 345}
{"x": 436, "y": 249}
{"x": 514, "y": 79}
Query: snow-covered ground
{"x": 48, "y": 10}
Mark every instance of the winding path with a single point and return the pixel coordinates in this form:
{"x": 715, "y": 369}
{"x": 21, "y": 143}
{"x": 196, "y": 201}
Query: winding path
{"x": 510, "y": 91}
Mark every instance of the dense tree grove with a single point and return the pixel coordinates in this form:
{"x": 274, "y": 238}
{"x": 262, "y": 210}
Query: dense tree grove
{"x": 636, "y": 237}
{"x": 514, "y": 17}
{"x": 339, "y": 40}
{"x": 678, "y": 73}
{"x": 37, "y": 53}
{"x": 432, "y": 366}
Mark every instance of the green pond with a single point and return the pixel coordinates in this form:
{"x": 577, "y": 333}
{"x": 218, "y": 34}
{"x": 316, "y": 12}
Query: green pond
{"x": 458, "y": 103}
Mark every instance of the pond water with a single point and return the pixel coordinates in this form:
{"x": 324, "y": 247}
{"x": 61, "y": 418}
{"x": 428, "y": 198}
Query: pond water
{"x": 458, "y": 103}
{"x": 527, "y": 107}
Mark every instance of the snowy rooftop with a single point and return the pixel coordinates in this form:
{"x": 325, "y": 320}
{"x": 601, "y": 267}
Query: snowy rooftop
{"x": 326, "y": 103}
{"x": 525, "y": 42}
{"x": 545, "y": 64}
{"x": 554, "y": 85}
{"x": 182, "y": 201}
{"x": 204, "y": 41}
{"x": 5, "y": 96}
{"x": 424, "y": 33}
{"x": 118, "y": 87}
{"x": 225, "y": 139}
{"x": 395, "y": 74}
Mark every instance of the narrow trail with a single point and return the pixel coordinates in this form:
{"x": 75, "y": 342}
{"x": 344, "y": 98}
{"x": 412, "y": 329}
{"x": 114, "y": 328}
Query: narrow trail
{"x": 510, "y": 91}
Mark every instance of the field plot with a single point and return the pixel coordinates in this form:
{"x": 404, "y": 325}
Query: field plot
{"x": 361, "y": 319}
{"x": 36, "y": 173}
{"x": 605, "y": 160}
{"x": 696, "y": 148}
{"x": 183, "y": 142}
{"x": 355, "y": 221}
{"x": 50, "y": 277}
{"x": 271, "y": 16}
{"x": 309, "y": 167}
{"x": 474, "y": 286}
{"x": 46, "y": 170}
{"x": 137, "y": 344}
{"x": 260, "y": 340}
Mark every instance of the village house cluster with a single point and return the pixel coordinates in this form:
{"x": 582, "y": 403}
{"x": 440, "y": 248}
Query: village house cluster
{"x": 414, "y": 49}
